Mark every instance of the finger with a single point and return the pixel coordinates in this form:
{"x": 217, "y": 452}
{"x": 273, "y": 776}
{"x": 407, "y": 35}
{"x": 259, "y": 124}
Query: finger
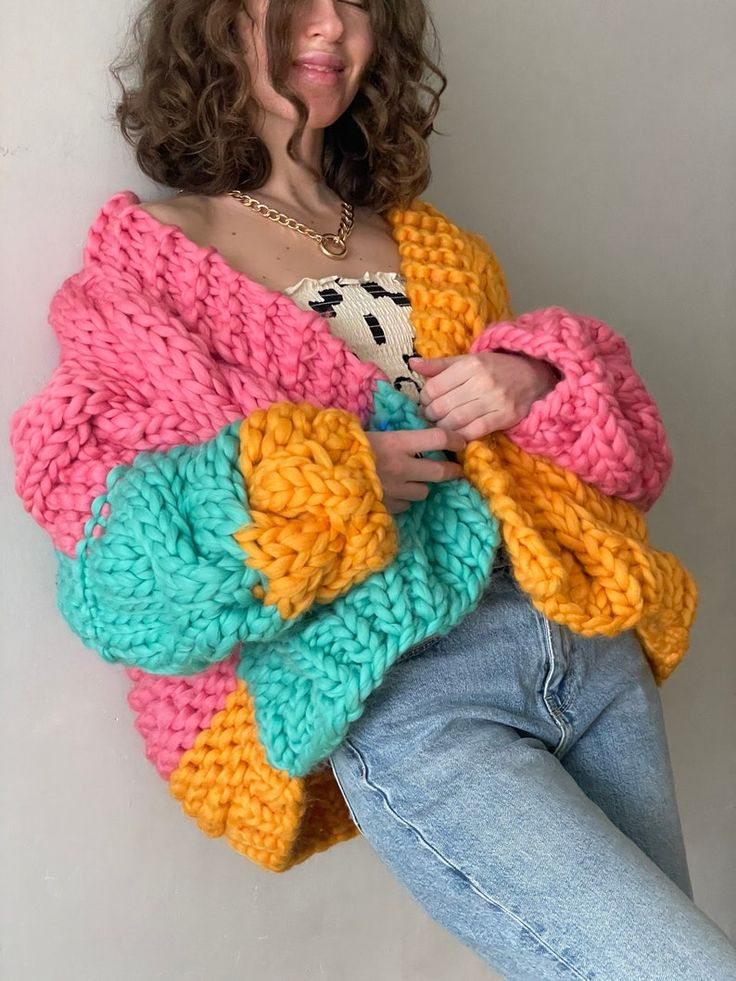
{"x": 430, "y": 471}
{"x": 434, "y": 438}
{"x": 463, "y": 417}
{"x": 431, "y": 366}
{"x": 466, "y": 390}
{"x": 456, "y": 372}
{"x": 466, "y": 409}
{"x": 491, "y": 422}
{"x": 394, "y": 505}
{"x": 414, "y": 490}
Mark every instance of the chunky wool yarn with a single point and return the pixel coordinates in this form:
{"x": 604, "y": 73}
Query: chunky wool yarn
{"x": 317, "y": 524}
{"x": 200, "y": 733}
{"x": 568, "y": 484}
{"x": 584, "y": 559}
{"x": 199, "y": 459}
{"x": 599, "y": 422}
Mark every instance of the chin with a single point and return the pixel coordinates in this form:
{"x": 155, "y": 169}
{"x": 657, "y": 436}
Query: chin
{"x": 325, "y": 110}
{"x": 320, "y": 118}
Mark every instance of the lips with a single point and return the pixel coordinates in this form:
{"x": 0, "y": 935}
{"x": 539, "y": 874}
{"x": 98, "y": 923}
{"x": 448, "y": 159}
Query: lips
{"x": 319, "y": 68}
{"x": 320, "y": 60}
{"x": 319, "y": 76}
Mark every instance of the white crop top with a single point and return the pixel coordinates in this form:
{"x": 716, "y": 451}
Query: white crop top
{"x": 371, "y": 316}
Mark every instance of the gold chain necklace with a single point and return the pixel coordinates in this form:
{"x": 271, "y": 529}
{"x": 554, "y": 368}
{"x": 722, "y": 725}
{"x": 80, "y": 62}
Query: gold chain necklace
{"x": 334, "y": 246}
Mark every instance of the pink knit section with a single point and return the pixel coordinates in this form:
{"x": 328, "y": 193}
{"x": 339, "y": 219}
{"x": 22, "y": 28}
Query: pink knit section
{"x": 599, "y": 421}
{"x": 163, "y": 343}
{"x": 173, "y": 710}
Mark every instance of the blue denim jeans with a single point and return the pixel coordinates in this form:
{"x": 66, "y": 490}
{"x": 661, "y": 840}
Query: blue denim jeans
{"x": 516, "y": 778}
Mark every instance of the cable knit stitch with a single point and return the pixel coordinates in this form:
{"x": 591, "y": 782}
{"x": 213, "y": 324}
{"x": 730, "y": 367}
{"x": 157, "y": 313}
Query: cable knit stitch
{"x": 269, "y": 621}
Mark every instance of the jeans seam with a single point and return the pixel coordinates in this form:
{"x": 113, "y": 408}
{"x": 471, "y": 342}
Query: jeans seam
{"x": 446, "y": 861}
{"x": 411, "y": 652}
{"x": 555, "y": 713}
{"x": 344, "y": 797}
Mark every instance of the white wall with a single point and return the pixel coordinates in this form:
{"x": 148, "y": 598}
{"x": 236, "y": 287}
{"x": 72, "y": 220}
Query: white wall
{"x": 594, "y": 145}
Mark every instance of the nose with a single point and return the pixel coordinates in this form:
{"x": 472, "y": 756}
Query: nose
{"x": 323, "y": 18}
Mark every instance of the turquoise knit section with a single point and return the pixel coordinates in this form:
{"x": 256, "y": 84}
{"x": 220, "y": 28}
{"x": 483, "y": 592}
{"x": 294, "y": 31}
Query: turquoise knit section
{"x": 312, "y": 682}
{"x": 159, "y": 582}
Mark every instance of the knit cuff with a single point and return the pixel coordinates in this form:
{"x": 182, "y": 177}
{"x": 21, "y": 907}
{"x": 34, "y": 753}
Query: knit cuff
{"x": 598, "y": 421}
{"x": 317, "y": 522}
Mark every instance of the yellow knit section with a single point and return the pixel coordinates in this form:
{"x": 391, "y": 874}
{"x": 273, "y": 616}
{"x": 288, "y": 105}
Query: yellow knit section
{"x": 584, "y": 558}
{"x": 453, "y": 280}
{"x": 226, "y": 784}
{"x": 318, "y": 522}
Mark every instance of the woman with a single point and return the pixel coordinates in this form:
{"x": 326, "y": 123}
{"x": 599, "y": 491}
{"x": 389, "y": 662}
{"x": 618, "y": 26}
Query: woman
{"x": 512, "y": 773}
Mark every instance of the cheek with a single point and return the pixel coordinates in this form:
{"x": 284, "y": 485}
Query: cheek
{"x": 367, "y": 57}
{"x": 362, "y": 48}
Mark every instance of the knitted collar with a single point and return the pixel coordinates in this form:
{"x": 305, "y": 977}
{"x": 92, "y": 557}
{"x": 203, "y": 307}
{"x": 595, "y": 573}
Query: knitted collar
{"x": 439, "y": 261}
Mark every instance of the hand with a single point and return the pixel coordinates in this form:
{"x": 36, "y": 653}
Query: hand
{"x": 403, "y": 475}
{"x": 477, "y": 394}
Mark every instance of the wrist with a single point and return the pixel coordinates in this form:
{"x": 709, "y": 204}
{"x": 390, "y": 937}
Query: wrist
{"x": 550, "y": 373}
{"x": 547, "y": 374}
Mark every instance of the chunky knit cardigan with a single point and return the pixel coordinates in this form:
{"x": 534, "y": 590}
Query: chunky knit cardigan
{"x": 200, "y": 462}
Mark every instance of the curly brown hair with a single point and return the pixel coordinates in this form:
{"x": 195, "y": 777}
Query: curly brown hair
{"x": 190, "y": 116}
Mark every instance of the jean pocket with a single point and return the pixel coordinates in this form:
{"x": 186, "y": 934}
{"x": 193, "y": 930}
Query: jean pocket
{"x": 348, "y": 805}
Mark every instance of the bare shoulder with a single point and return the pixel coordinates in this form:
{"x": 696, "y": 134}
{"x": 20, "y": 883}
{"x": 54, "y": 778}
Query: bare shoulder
{"x": 176, "y": 207}
{"x": 192, "y": 213}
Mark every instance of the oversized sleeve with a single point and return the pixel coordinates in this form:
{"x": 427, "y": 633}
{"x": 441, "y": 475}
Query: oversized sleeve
{"x": 189, "y": 513}
{"x": 599, "y": 421}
